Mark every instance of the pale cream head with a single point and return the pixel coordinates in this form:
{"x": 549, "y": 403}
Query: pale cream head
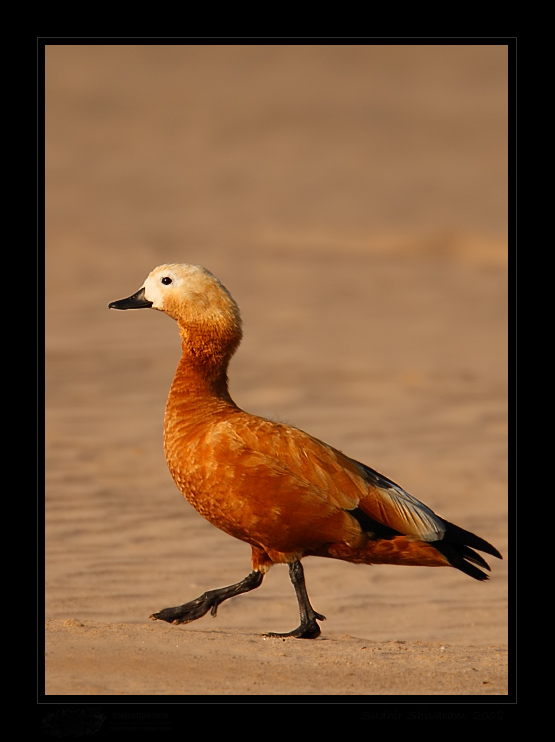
{"x": 189, "y": 292}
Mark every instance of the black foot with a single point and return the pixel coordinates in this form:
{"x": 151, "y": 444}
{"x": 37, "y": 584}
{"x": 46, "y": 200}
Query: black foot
{"x": 309, "y": 630}
{"x": 208, "y": 601}
{"x": 188, "y": 611}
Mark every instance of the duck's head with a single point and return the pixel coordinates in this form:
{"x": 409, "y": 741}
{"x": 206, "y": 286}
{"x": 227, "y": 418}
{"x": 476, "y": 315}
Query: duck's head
{"x": 203, "y": 308}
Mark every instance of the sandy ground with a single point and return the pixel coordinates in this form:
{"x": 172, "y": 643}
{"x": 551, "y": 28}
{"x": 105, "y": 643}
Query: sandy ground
{"x": 353, "y": 200}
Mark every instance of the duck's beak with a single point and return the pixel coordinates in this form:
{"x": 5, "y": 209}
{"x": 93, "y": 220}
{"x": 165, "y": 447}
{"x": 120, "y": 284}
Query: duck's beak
{"x": 137, "y": 301}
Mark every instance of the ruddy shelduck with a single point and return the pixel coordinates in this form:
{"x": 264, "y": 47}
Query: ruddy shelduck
{"x": 285, "y": 493}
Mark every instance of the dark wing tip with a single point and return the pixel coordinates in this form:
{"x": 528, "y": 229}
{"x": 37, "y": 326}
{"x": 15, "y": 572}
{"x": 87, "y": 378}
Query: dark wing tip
{"x": 456, "y": 535}
{"x": 458, "y": 545}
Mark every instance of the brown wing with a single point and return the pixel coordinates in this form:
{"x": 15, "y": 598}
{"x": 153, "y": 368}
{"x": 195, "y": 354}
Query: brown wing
{"x": 316, "y": 481}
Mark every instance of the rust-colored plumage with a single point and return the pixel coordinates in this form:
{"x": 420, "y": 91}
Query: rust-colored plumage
{"x": 287, "y": 494}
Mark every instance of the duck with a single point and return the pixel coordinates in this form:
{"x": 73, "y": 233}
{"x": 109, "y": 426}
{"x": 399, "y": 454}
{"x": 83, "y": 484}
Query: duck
{"x": 284, "y": 492}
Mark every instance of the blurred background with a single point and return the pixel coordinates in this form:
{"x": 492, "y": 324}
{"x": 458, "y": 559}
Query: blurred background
{"x": 353, "y": 199}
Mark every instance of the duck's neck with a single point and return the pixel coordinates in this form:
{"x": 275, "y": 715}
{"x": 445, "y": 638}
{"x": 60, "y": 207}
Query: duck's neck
{"x": 194, "y": 384}
{"x": 200, "y": 381}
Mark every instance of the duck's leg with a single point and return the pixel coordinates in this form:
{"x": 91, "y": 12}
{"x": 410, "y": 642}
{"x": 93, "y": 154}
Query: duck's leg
{"x": 308, "y": 628}
{"x": 208, "y": 601}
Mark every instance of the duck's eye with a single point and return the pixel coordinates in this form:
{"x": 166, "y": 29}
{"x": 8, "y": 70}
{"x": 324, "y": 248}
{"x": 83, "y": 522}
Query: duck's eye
{"x": 166, "y": 280}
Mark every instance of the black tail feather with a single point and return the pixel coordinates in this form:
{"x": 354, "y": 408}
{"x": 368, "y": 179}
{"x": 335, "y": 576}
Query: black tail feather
{"x": 472, "y": 556}
{"x": 456, "y": 535}
{"x": 456, "y": 547}
{"x": 460, "y": 557}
